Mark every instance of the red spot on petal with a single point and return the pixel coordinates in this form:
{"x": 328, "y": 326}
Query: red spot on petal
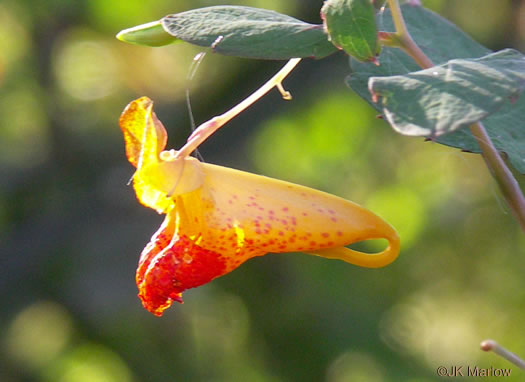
{"x": 285, "y": 209}
{"x": 325, "y": 234}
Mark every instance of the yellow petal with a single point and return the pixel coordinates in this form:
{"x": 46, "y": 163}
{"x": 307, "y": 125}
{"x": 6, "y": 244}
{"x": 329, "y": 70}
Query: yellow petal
{"x": 145, "y": 137}
{"x": 242, "y": 215}
{"x": 150, "y": 196}
{"x": 278, "y": 216}
{"x": 144, "y": 134}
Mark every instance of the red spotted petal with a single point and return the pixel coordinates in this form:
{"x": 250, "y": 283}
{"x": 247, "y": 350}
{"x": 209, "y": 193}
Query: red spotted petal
{"x": 169, "y": 265}
{"x": 160, "y": 240}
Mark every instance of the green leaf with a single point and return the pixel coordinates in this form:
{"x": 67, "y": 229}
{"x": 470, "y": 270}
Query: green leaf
{"x": 249, "y": 32}
{"x": 351, "y": 25}
{"x": 443, "y": 98}
{"x": 443, "y": 41}
{"x": 150, "y": 34}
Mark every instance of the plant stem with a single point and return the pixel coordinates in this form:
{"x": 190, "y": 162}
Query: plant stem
{"x": 507, "y": 183}
{"x": 407, "y": 43}
{"x": 491, "y": 345}
{"x": 211, "y": 126}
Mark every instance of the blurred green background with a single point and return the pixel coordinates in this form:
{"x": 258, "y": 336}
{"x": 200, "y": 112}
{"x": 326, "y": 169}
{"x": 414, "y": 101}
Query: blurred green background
{"x": 71, "y": 230}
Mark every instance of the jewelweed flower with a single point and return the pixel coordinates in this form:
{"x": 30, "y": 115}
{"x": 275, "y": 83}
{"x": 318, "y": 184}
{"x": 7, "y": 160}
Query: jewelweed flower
{"x": 217, "y": 217}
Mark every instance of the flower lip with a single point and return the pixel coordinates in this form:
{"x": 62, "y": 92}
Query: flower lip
{"x": 164, "y": 273}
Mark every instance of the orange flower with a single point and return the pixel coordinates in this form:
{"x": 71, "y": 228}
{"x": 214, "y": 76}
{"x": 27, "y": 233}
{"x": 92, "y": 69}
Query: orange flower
{"x": 217, "y": 218}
